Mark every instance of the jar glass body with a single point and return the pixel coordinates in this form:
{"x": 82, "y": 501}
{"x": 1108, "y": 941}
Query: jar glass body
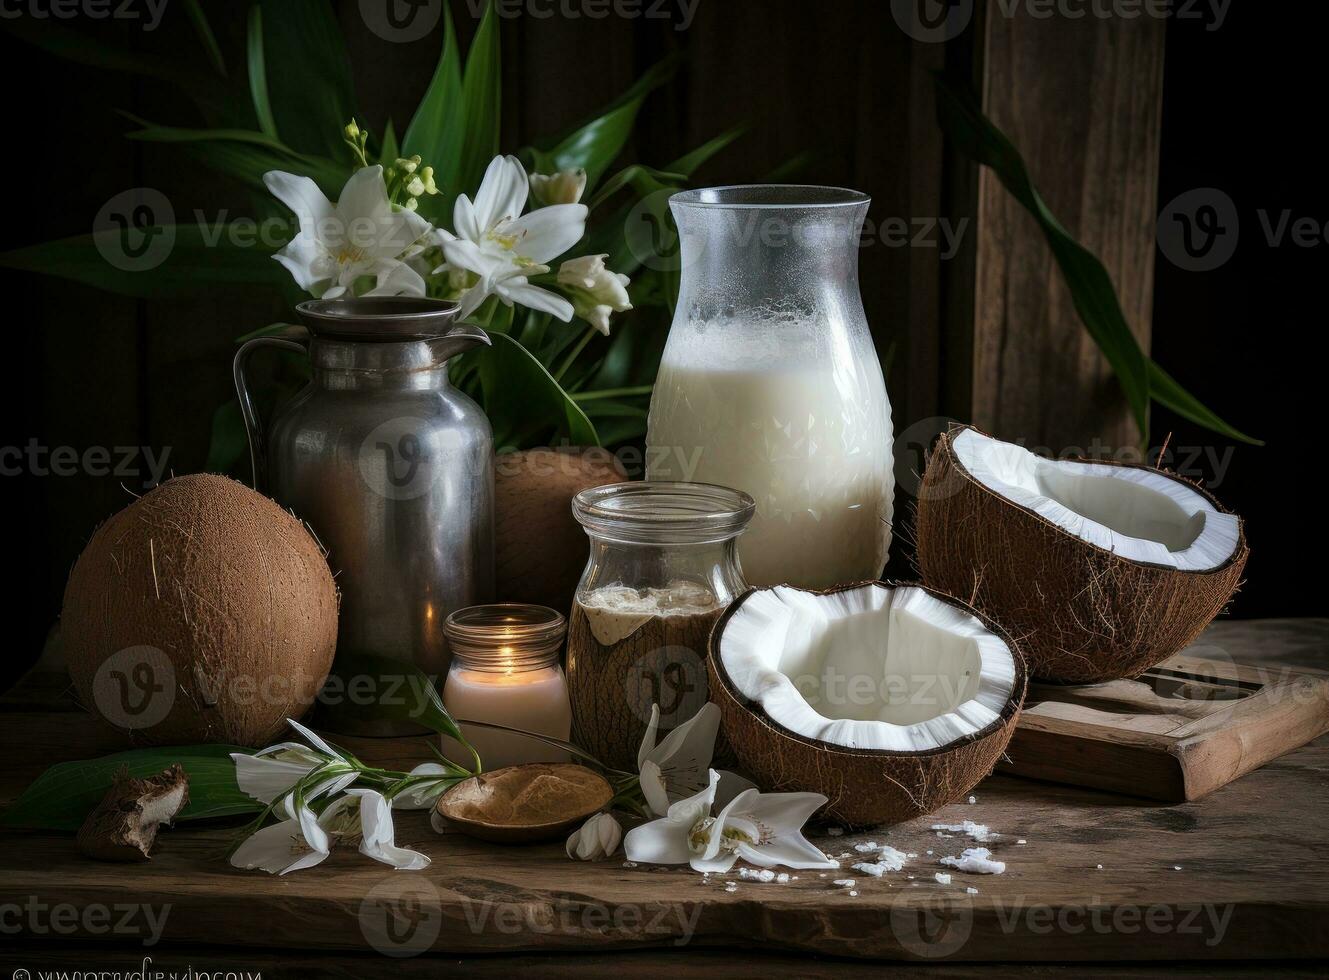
{"x": 770, "y": 383}
{"x": 505, "y": 671}
{"x": 663, "y": 566}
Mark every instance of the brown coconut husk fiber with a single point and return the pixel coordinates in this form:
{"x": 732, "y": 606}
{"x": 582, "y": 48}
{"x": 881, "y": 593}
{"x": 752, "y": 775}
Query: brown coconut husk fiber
{"x": 208, "y": 599}
{"x": 864, "y": 787}
{"x": 1082, "y": 613}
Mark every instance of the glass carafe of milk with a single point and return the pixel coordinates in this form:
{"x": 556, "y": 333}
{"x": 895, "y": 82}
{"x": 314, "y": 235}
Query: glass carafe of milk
{"x": 770, "y": 384}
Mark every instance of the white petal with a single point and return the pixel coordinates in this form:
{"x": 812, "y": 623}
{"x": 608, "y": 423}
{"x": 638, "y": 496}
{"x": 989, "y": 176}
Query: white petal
{"x": 658, "y": 842}
{"x": 397, "y": 279}
{"x": 266, "y": 779}
{"x": 471, "y": 300}
{"x": 549, "y": 232}
{"x": 653, "y": 788}
{"x": 536, "y": 298}
{"x": 782, "y": 812}
{"x": 689, "y": 747}
{"x": 314, "y": 740}
{"x": 791, "y": 851}
{"x": 694, "y": 807}
{"x": 275, "y": 849}
{"x": 395, "y": 234}
{"x": 299, "y": 257}
{"x": 715, "y": 835}
{"x": 364, "y": 196}
{"x": 719, "y": 864}
{"x": 647, "y": 747}
{"x": 502, "y": 193}
{"x": 464, "y": 219}
{"x": 467, "y": 255}
{"x": 302, "y": 196}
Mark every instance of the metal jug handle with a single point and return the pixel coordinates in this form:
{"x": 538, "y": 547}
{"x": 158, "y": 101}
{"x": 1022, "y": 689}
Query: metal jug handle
{"x": 258, "y": 458}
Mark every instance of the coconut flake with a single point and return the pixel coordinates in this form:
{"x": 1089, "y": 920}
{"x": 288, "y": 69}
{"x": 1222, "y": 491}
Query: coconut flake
{"x": 942, "y": 878}
{"x": 754, "y": 874}
{"x": 844, "y": 882}
{"x": 975, "y": 860}
{"x": 978, "y": 831}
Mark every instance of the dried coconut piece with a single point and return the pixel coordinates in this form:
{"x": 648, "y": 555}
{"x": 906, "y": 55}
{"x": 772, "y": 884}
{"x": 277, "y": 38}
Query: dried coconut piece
{"x": 123, "y": 826}
{"x": 978, "y": 831}
{"x": 942, "y": 878}
{"x": 976, "y": 860}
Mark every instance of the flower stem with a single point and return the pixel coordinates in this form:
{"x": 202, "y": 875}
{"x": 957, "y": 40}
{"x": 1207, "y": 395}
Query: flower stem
{"x": 576, "y": 352}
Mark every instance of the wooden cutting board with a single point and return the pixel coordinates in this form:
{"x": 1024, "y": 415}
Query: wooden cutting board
{"x": 1192, "y": 724}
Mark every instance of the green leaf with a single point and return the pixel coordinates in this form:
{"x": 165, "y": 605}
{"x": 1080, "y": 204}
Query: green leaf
{"x": 522, "y": 399}
{"x": 1173, "y": 396}
{"x": 200, "y": 254}
{"x": 480, "y": 98}
{"x": 644, "y": 179}
{"x": 689, "y": 162}
{"x": 258, "y": 74}
{"x": 65, "y": 794}
{"x": 437, "y": 130}
{"x": 962, "y": 119}
{"x": 594, "y": 145}
{"x": 208, "y": 39}
{"x": 247, "y": 155}
{"x": 389, "y": 151}
{"x": 366, "y": 687}
{"x": 309, "y": 74}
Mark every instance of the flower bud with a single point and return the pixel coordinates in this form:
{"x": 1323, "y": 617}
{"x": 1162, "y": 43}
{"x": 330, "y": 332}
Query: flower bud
{"x": 352, "y": 131}
{"x": 564, "y": 187}
{"x": 595, "y": 291}
{"x": 596, "y": 839}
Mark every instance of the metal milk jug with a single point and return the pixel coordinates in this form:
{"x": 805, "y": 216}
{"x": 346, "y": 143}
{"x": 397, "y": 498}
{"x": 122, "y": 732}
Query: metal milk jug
{"x": 388, "y": 464}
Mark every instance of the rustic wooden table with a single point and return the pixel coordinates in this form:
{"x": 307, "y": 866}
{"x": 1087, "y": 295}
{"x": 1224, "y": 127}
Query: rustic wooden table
{"x": 1237, "y": 876}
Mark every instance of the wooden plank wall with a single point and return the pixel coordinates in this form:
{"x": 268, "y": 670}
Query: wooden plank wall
{"x": 1082, "y": 99}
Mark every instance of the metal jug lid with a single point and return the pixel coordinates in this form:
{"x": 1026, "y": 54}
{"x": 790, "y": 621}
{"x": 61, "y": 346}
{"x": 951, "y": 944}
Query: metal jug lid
{"x": 378, "y": 318}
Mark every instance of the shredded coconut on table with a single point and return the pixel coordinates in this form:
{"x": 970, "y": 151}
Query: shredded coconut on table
{"x": 978, "y": 831}
{"x": 942, "y": 879}
{"x": 844, "y": 882}
{"x": 764, "y": 874}
{"x": 975, "y": 860}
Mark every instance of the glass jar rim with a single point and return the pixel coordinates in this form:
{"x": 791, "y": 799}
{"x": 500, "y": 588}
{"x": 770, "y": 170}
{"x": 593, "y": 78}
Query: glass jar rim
{"x": 477, "y": 631}
{"x": 775, "y": 196}
{"x": 664, "y": 512}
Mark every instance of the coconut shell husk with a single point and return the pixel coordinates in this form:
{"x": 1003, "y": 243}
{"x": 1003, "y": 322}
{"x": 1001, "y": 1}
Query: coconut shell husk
{"x": 123, "y": 826}
{"x": 1082, "y": 613}
{"x": 864, "y": 787}
{"x": 216, "y": 604}
{"x": 539, "y": 548}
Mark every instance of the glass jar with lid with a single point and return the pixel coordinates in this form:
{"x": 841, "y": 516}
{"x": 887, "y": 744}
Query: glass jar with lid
{"x": 505, "y": 671}
{"x": 663, "y": 566}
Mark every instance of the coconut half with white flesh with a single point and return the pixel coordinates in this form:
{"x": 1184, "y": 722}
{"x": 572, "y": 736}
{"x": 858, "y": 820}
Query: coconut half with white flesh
{"x": 890, "y": 699}
{"x": 1102, "y": 569}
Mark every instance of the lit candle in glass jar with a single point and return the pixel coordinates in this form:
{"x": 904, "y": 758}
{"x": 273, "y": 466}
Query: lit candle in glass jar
{"x": 505, "y": 671}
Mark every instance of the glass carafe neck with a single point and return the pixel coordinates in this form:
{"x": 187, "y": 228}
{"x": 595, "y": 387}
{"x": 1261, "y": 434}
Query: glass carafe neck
{"x": 769, "y": 249}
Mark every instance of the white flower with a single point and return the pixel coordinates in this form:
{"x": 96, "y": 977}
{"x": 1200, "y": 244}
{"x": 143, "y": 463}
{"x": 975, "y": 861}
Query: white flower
{"x": 563, "y": 187}
{"x": 378, "y": 836}
{"x": 361, "y": 235}
{"x": 679, "y": 765}
{"x": 299, "y": 842}
{"x": 271, "y": 773}
{"x": 305, "y": 840}
{"x": 503, "y": 248}
{"x": 597, "y": 838}
{"x": 764, "y": 829}
{"x": 596, "y": 292}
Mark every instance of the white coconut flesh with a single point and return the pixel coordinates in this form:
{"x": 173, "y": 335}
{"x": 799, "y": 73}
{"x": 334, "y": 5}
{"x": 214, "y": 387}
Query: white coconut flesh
{"x": 1139, "y": 514}
{"x": 869, "y": 668}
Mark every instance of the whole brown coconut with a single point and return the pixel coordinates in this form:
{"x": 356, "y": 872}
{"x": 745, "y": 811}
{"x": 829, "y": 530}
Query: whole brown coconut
{"x": 539, "y": 548}
{"x": 864, "y": 787}
{"x": 202, "y": 612}
{"x": 1083, "y": 614}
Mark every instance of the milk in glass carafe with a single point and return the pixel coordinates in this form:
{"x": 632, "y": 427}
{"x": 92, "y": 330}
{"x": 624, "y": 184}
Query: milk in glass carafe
{"x": 770, "y": 384}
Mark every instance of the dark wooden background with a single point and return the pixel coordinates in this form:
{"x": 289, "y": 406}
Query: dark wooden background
{"x": 1109, "y": 126}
